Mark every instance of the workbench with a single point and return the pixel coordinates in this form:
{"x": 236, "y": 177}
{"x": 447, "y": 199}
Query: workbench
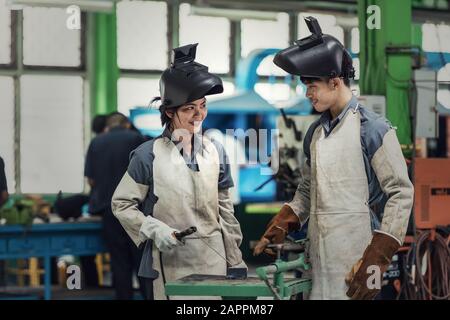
{"x": 50, "y": 240}
{"x": 220, "y": 286}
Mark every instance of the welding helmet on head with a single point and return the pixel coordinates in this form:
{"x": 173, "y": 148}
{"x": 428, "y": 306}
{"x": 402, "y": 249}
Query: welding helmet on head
{"x": 186, "y": 80}
{"x": 317, "y": 56}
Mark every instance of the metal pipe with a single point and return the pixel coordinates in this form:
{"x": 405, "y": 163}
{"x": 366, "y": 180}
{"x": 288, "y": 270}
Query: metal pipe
{"x": 87, "y": 5}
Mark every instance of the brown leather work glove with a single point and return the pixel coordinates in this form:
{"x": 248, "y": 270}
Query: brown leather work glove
{"x": 378, "y": 253}
{"x": 278, "y": 228}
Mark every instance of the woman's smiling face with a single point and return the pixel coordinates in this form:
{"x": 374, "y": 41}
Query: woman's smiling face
{"x": 190, "y": 116}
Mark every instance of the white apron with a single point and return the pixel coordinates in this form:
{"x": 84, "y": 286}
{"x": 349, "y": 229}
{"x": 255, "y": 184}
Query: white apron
{"x": 187, "y": 198}
{"x": 339, "y": 225}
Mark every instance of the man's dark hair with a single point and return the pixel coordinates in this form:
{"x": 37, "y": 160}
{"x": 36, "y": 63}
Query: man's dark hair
{"x": 307, "y": 80}
{"x": 99, "y": 123}
{"x": 116, "y": 119}
{"x": 347, "y": 64}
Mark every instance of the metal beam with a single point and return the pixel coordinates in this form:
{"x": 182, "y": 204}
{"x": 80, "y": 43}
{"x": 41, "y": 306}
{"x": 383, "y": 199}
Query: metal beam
{"x": 173, "y": 21}
{"x": 421, "y": 12}
{"x": 17, "y": 113}
{"x": 383, "y": 73}
{"x": 106, "y": 71}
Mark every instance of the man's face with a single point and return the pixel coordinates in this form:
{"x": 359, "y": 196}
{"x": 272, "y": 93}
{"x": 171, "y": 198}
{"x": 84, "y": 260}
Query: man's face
{"x": 321, "y": 93}
{"x": 190, "y": 116}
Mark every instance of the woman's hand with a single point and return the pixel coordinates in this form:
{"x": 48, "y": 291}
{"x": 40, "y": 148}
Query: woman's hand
{"x": 162, "y": 235}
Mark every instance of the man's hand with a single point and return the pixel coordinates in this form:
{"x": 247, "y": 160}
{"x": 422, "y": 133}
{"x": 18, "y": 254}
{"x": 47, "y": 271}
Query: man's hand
{"x": 277, "y": 230}
{"x": 377, "y": 255}
{"x": 3, "y": 197}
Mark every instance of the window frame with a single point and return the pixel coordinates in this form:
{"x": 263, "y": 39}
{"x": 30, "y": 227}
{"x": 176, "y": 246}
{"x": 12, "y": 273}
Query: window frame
{"x": 16, "y": 69}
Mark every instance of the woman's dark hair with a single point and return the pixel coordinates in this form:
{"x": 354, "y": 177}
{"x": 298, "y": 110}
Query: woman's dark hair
{"x": 165, "y": 119}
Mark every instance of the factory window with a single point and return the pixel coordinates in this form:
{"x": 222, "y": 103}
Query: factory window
{"x": 51, "y": 133}
{"x": 444, "y": 73}
{"x": 132, "y": 93}
{"x": 5, "y": 34}
{"x": 443, "y": 94}
{"x": 355, "y": 40}
{"x": 7, "y": 125}
{"x": 327, "y": 23}
{"x": 268, "y": 68}
{"x": 435, "y": 37}
{"x": 259, "y": 34}
{"x": 213, "y": 36}
{"x": 273, "y": 92}
{"x": 357, "y": 68}
{"x": 142, "y": 42}
{"x": 443, "y": 97}
{"x": 47, "y": 41}
{"x": 228, "y": 90}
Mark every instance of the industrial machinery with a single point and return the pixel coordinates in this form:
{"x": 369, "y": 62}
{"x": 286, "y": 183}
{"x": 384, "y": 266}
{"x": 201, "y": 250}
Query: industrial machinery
{"x": 291, "y": 133}
{"x": 432, "y": 192}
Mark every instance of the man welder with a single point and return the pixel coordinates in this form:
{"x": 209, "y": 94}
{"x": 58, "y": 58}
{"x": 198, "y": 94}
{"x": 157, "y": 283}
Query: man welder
{"x": 354, "y": 161}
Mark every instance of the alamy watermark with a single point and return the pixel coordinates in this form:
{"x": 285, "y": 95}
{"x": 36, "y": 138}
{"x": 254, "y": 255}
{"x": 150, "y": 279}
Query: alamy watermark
{"x": 73, "y": 22}
{"x": 374, "y": 17}
{"x": 374, "y": 280}
{"x": 73, "y": 281}
{"x": 258, "y": 142}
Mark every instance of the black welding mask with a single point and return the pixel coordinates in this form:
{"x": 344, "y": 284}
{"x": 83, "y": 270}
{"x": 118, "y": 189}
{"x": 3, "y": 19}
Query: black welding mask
{"x": 186, "y": 80}
{"x": 317, "y": 56}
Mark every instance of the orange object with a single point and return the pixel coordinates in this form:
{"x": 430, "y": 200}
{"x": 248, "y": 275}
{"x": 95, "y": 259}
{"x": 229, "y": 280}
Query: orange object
{"x": 397, "y": 285}
{"x": 408, "y": 240}
{"x": 448, "y": 136}
{"x": 432, "y": 192}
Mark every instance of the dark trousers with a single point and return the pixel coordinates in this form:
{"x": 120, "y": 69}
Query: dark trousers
{"x": 148, "y": 286}
{"x": 90, "y": 273}
{"x": 125, "y": 257}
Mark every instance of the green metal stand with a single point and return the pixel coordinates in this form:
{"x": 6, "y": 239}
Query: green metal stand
{"x": 281, "y": 289}
{"x": 105, "y": 68}
{"x": 388, "y": 73}
{"x": 249, "y": 288}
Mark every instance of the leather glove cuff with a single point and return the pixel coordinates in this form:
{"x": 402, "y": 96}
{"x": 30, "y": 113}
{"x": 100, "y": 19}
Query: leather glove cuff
{"x": 286, "y": 221}
{"x": 379, "y": 253}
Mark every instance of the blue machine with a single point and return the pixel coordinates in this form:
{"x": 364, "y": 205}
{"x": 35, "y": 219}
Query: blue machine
{"x": 147, "y": 121}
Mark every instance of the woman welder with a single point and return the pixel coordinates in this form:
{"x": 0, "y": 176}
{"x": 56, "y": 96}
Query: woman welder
{"x": 178, "y": 180}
